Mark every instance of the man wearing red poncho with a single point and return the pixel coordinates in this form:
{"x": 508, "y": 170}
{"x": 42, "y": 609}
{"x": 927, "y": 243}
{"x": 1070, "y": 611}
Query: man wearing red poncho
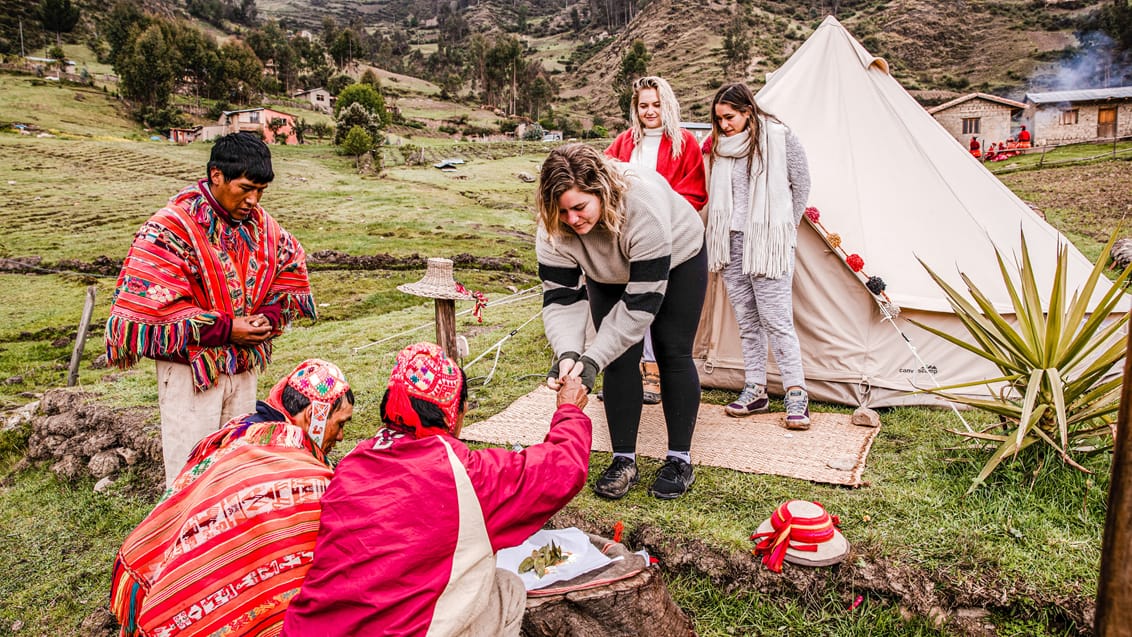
{"x": 413, "y": 518}
{"x": 209, "y": 281}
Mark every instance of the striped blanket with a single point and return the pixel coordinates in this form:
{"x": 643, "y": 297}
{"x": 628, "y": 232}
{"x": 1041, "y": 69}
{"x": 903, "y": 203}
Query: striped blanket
{"x": 228, "y": 546}
{"x": 186, "y": 268}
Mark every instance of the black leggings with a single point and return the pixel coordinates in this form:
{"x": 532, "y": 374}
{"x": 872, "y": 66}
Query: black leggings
{"x": 673, "y": 332}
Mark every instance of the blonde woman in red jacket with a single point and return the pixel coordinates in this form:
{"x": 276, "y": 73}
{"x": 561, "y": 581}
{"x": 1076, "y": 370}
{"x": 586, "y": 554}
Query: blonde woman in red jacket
{"x": 656, "y": 141}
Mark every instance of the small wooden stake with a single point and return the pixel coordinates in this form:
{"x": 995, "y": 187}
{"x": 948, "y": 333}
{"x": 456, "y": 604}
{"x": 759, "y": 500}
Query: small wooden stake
{"x": 1114, "y": 590}
{"x": 446, "y": 326}
{"x": 80, "y": 338}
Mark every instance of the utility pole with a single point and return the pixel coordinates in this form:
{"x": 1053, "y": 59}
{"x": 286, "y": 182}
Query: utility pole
{"x": 1114, "y": 589}
{"x": 23, "y": 54}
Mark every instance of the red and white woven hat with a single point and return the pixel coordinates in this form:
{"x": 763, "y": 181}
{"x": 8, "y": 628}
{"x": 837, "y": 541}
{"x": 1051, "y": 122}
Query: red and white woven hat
{"x": 800, "y": 532}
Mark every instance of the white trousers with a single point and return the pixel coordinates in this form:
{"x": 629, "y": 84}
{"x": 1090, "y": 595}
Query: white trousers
{"x": 503, "y": 616}
{"x": 188, "y": 415}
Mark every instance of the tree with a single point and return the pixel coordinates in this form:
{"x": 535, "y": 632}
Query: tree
{"x": 477, "y": 49}
{"x": 369, "y": 77}
{"x": 197, "y": 58}
{"x": 1116, "y": 21}
{"x": 366, "y": 95}
{"x": 146, "y": 69}
{"x": 736, "y": 48}
{"x": 275, "y": 125}
{"x": 634, "y": 64}
{"x": 125, "y": 22}
{"x": 60, "y": 56}
{"x": 320, "y": 130}
{"x": 241, "y": 71}
{"x": 357, "y": 143}
{"x": 504, "y": 64}
{"x": 355, "y": 116}
{"x": 59, "y": 16}
{"x": 345, "y": 48}
{"x": 338, "y": 83}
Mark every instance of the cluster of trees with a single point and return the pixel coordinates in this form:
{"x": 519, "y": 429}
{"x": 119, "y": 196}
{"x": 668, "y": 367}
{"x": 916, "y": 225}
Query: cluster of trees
{"x": 1116, "y": 20}
{"x": 217, "y": 12}
{"x": 612, "y": 14}
{"x": 154, "y": 57}
{"x": 59, "y": 17}
{"x": 299, "y": 62}
{"x": 360, "y": 119}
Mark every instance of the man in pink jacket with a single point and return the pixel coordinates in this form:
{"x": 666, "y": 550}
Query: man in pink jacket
{"x": 413, "y": 518}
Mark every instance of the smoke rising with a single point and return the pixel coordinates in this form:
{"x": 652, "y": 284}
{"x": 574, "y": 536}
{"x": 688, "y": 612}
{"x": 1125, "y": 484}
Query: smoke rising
{"x": 1097, "y": 63}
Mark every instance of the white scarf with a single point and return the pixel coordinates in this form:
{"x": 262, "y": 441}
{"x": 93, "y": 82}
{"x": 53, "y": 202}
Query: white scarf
{"x": 770, "y": 232}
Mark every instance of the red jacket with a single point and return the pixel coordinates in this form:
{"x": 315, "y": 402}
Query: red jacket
{"x": 684, "y": 173}
{"x": 410, "y": 528}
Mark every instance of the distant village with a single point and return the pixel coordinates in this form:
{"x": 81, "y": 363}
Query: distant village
{"x": 988, "y": 124}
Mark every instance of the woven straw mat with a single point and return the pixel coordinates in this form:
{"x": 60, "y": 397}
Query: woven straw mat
{"x": 832, "y": 451}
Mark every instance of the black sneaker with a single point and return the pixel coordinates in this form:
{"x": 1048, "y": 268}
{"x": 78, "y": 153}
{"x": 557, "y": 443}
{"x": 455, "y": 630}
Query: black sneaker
{"x": 673, "y": 480}
{"x": 617, "y": 479}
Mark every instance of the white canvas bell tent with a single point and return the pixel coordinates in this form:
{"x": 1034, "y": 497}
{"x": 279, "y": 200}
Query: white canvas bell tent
{"x": 894, "y": 185}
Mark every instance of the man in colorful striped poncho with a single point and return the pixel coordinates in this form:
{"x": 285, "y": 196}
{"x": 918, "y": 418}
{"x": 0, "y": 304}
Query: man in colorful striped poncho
{"x": 208, "y": 282}
{"x": 228, "y": 546}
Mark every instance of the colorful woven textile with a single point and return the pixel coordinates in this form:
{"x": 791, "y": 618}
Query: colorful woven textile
{"x": 229, "y": 545}
{"x": 186, "y": 267}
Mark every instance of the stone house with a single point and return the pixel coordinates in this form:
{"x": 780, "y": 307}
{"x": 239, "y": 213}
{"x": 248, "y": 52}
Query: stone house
{"x": 1066, "y": 117}
{"x": 980, "y": 115}
{"x": 319, "y": 99}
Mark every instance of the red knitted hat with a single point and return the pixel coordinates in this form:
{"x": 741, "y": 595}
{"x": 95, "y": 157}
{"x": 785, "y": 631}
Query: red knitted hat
{"x": 423, "y": 371}
{"x": 800, "y": 532}
{"x": 321, "y": 382}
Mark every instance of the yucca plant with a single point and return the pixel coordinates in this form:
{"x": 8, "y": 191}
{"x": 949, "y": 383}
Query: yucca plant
{"x": 1057, "y": 365}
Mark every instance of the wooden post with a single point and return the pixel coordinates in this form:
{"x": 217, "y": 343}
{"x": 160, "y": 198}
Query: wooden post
{"x": 1114, "y": 590}
{"x": 446, "y": 326}
{"x": 80, "y": 338}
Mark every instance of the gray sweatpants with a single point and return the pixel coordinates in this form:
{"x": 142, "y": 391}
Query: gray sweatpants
{"x": 764, "y": 310}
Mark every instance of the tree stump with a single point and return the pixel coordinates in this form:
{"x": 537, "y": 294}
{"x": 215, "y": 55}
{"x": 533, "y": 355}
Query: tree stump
{"x": 639, "y": 605}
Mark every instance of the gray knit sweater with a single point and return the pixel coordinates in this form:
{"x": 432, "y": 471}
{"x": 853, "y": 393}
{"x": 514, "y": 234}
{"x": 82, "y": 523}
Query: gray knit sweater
{"x": 660, "y": 231}
{"x": 797, "y": 171}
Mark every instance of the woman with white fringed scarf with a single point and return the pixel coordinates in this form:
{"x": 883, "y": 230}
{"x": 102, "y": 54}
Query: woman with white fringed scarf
{"x": 757, "y": 189}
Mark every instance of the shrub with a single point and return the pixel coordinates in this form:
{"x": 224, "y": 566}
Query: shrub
{"x": 356, "y": 143}
{"x": 533, "y": 133}
{"x": 1055, "y": 363}
{"x": 473, "y": 130}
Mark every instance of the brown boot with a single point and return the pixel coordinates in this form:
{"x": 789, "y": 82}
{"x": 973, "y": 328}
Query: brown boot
{"x": 650, "y": 378}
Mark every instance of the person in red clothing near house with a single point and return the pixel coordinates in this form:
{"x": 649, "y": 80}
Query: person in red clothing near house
{"x": 1024, "y": 138}
{"x": 655, "y": 140}
{"x": 975, "y": 148}
{"x": 412, "y": 520}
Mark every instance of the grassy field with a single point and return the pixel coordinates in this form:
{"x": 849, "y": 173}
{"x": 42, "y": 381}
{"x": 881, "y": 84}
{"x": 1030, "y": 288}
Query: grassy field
{"x": 63, "y": 109}
{"x": 1026, "y": 550}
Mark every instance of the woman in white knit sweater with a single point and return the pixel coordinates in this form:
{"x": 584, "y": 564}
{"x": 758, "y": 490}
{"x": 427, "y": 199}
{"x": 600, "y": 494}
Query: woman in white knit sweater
{"x": 639, "y": 245}
{"x": 757, "y": 194}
